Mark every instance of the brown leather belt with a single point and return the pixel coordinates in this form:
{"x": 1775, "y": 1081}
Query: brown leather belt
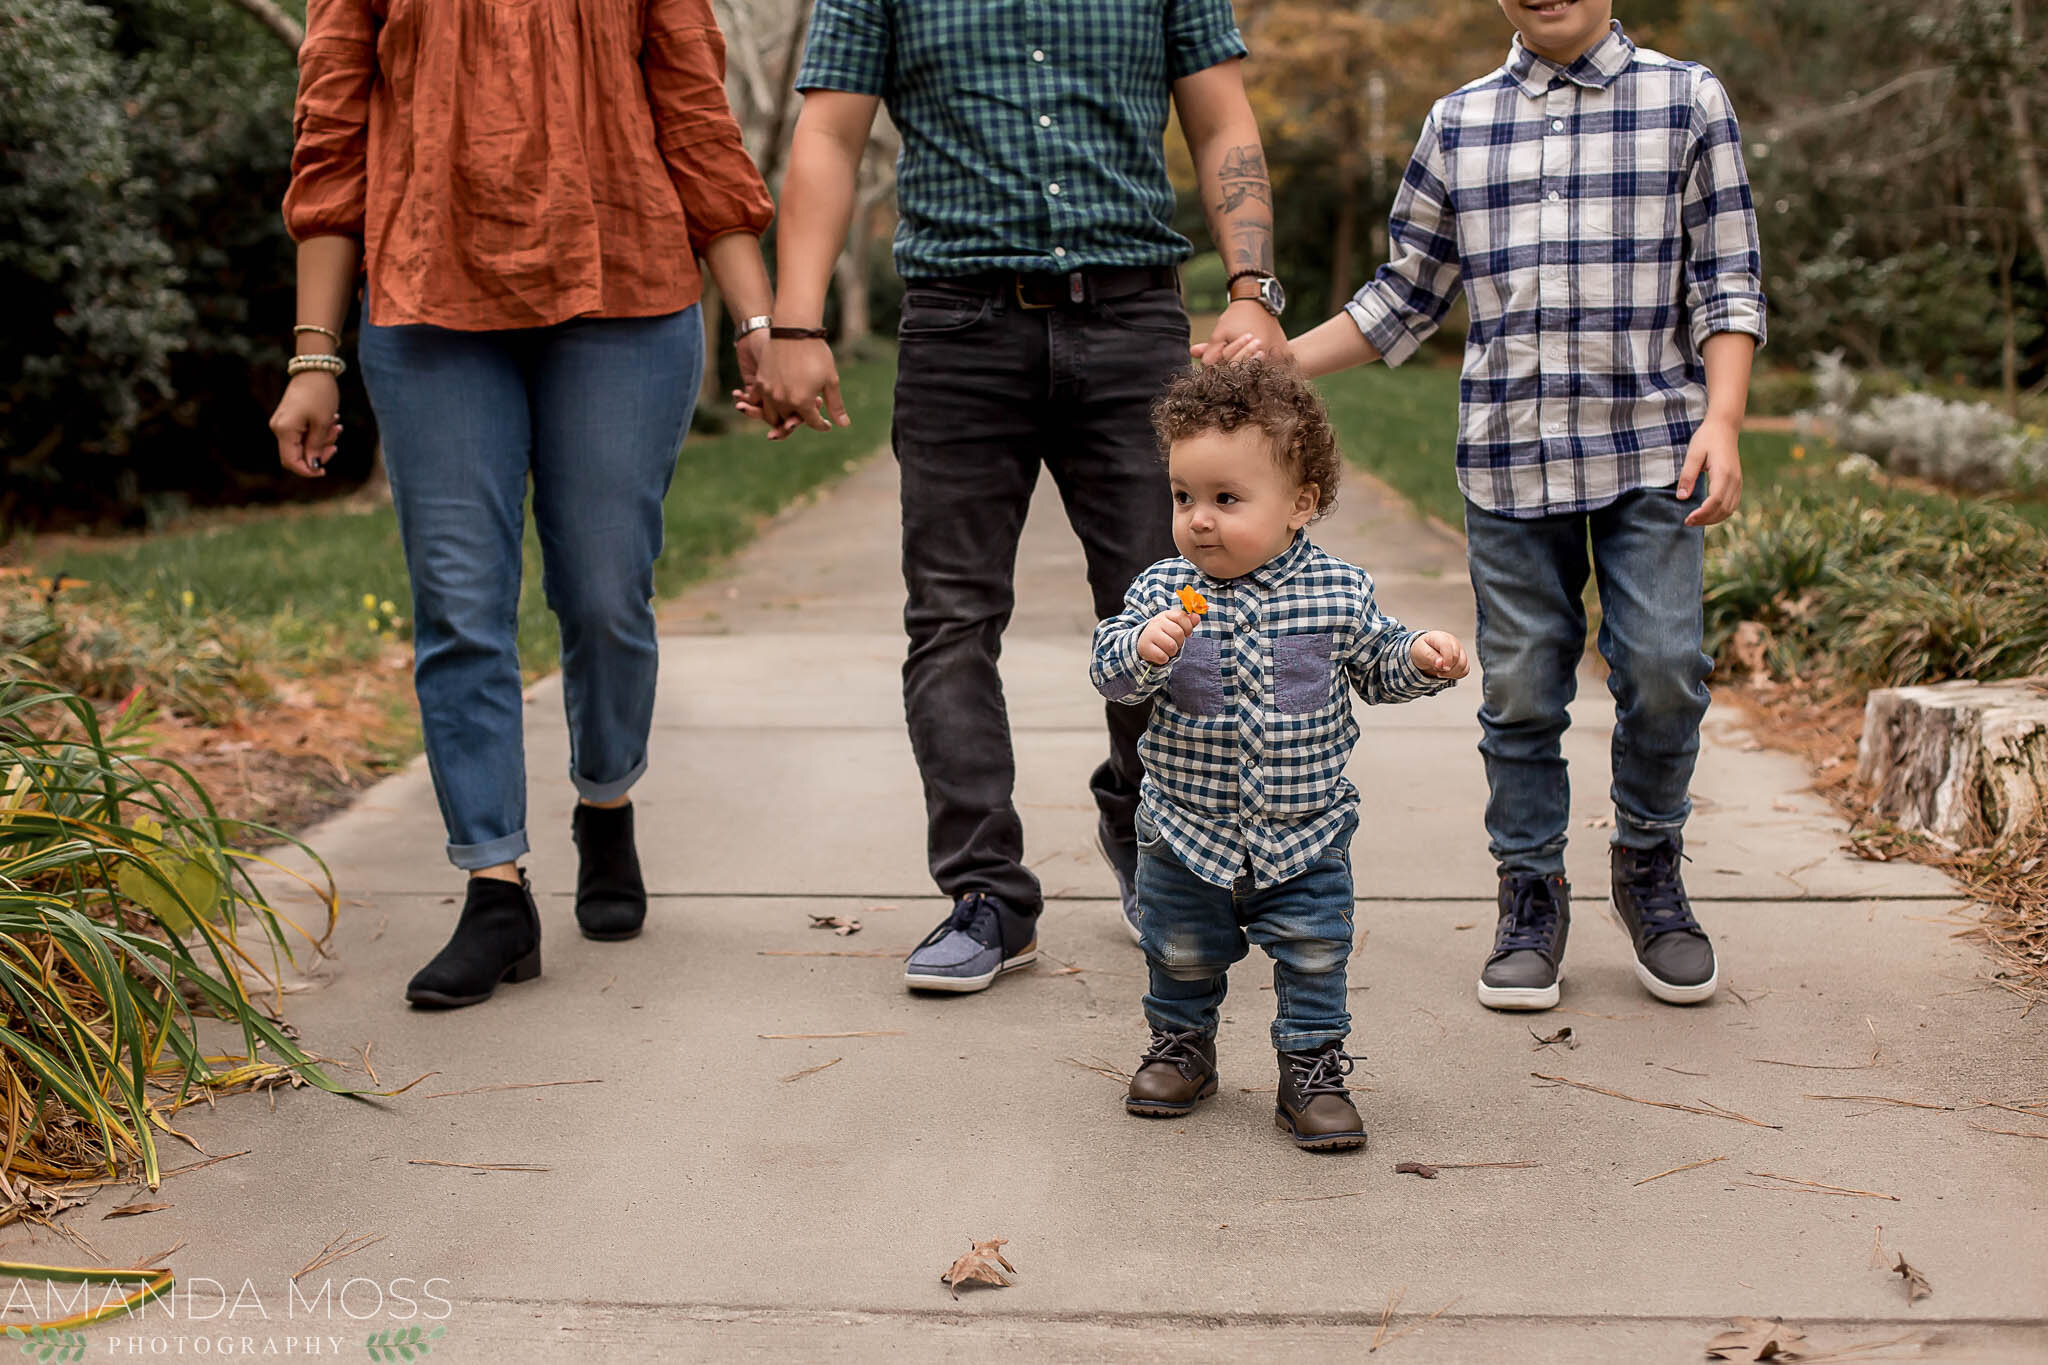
{"x": 1072, "y": 289}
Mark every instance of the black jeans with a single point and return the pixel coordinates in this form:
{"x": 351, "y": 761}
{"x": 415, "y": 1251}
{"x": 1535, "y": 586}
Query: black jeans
{"x": 987, "y": 390}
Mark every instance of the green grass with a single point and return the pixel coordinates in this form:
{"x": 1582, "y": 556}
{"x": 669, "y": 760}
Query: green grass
{"x": 314, "y": 585}
{"x": 1403, "y": 426}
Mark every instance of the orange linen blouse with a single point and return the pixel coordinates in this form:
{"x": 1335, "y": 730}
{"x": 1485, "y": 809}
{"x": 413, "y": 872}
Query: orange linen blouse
{"x": 514, "y": 163}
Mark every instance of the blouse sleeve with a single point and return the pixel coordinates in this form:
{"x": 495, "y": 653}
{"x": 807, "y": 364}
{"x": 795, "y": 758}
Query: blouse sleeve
{"x": 331, "y": 121}
{"x": 683, "y": 59}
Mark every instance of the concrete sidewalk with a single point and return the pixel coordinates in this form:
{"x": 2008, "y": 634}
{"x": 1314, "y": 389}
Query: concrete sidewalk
{"x": 707, "y": 1199}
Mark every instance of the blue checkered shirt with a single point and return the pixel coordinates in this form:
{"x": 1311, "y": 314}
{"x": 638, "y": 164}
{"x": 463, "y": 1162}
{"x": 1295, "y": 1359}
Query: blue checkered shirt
{"x": 1599, "y": 218}
{"x": 1032, "y": 132}
{"x": 1251, "y": 723}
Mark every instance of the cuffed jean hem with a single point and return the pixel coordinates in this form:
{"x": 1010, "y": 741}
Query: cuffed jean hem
{"x": 1306, "y": 1042}
{"x": 506, "y": 849}
{"x": 597, "y": 793}
{"x": 1547, "y": 861}
{"x": 1630, "y": 832}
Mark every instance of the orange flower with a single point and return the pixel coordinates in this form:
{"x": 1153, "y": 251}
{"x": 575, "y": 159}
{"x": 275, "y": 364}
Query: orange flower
{"x": 1192, "y": 602}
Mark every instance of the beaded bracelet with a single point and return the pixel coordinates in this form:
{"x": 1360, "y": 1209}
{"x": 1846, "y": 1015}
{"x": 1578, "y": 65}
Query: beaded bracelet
{"x": 329, "y": 364}
{"x": 327, "y": 332}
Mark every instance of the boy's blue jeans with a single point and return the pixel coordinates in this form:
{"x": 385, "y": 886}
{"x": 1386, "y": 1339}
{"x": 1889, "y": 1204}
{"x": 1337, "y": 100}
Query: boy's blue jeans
{"x": 594, "y": 410}
{"x": 1194, "y": 930}
{"x": 1529, "y": 579}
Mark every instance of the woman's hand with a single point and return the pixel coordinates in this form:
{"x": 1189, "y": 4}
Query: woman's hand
{"x": 307, "y": 423}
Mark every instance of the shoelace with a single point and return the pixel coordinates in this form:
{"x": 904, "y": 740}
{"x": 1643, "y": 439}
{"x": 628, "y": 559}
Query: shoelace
{"x": 1659, "y": 896}
{"x": 966, "y": 914}
{"x": 1321, "y": 1073}
{"x": 1531, "y": 922}
{"x": 1177, "y": 1047}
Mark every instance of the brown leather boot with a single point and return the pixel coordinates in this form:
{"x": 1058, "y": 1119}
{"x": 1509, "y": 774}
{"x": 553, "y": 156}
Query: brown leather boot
{"x": 1176, "y": 1072}
{"x": 1314, "y": 1107}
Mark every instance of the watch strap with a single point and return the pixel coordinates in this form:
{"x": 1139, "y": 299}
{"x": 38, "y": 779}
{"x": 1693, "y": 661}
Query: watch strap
{"x": 748, "y": 326}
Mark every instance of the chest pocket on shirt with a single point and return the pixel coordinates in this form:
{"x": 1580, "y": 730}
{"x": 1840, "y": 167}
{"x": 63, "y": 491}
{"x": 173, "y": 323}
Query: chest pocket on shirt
{"x": 1302, "y": 672}
{"x": 1196, "y": 683}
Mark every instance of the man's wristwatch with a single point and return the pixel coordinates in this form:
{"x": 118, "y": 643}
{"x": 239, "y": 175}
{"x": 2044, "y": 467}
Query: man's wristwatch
{"x": 752, "y": 325}
{"x": 1270, "y": 295}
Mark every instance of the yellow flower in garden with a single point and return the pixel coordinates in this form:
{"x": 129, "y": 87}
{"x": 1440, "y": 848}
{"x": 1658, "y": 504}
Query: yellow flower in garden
{"x": 386, "y": 607}
{"x": 187, "y": 598}
{"x": 369, "y": 601}
{"x": 372, "y": 625}
{"x": 1798, "y": 452}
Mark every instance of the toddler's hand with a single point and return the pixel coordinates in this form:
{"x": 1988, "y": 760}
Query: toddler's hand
{"x": 1438, "y": 653}
{"x": 1164, "y": 634}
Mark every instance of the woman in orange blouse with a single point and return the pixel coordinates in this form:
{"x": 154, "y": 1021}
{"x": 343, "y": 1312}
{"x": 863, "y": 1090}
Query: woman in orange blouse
{"x": 527, "y": 185}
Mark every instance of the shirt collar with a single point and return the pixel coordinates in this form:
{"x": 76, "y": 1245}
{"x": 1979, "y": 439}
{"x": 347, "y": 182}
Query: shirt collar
{"x": 1282, "y": 566}
{"x": 1595, "y": 69}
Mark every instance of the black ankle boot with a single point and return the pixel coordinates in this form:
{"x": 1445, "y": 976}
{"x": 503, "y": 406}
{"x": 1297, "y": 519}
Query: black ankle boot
{"x": 496, "y": 939}
{"x": 611, "y": 900}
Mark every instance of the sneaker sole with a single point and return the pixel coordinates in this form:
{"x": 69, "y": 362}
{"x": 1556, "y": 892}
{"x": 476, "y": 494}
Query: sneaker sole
{"x": 966, "y": 985}
{"x": 1159, "y": 1109}
{"x": 1522, "y": 998}
{"x": 1670, "y": 992}
{"x": 1321, "y": 1142}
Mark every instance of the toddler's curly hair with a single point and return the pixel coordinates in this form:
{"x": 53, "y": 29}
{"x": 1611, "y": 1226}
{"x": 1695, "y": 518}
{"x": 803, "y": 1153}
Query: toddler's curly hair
{"x": 1260, "y": 393}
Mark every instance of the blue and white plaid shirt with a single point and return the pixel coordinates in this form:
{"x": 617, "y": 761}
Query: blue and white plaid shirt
{"x": 1245, "y": 752}
{"x": 1599, "y": 217}
{"x": 1033, "y": 133}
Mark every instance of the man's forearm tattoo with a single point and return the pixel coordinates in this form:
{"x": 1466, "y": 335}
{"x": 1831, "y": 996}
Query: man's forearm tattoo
{"x": 1243, "y": 176}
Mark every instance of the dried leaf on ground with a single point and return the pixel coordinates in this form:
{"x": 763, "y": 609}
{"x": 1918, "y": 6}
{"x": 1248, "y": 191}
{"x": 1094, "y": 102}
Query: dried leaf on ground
{"x": 130, "y": 1210}
{"x": 1563, "y": 1037}
{"x": 1917, "y": 1287}
{"x": 983, "y": 1265}
{"x": 811, "y": 1070}
{"x": 1755, "y": 1339}
{"x": 836, "y": 924}
{"x": 1421, "y": 1168}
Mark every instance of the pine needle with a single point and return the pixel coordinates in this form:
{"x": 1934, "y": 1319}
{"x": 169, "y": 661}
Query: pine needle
{"x": 1712, "y": 1111}
{"x": 2007, "y": 1132}
{"x": 509, "y": 1085}
{"x": 1819, "y": 1188}
{"x": 475, "y": 1165}
{"x": 335, "y": 1250}
{"x": 811, "y": 1070}
{"x": 1884, "y": 1099}
{"x": 854, "y": 1033}
{"x": 1688, "y": 1166}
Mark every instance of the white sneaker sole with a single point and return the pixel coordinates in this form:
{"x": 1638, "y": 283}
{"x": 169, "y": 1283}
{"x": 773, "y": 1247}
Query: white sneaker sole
{"x": 964, "y": 985}
{"x": 1656, "y": 985}
{"x": 1522, "y": 997}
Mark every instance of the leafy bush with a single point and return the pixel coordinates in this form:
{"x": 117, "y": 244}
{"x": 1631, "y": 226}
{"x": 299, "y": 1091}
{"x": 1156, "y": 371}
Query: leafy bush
{"x": 1882, "y": 590}
{"x": 1971, "y": 446}
{"x": 125, "y": 919}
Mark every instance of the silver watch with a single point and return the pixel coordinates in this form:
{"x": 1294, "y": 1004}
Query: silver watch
{"x": 752, "y": 324}
{"x": 1270, "y": 295}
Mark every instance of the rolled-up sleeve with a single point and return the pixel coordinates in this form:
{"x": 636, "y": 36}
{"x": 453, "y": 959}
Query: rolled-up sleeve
{"x": 1115, "y": 667}
{"x": 847, "y": 48}
{"x": 331, "y": 121}
{"x": 1200, "y": 34}
{"x": 683, "y": 60}
{"x": 1381, "y": 662}
{"x": 1724, "y": 289}
{"x": 1403, "y": 304}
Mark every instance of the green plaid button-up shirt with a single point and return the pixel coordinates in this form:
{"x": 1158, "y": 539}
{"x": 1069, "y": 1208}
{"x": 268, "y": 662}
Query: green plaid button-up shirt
{"x": 1032, "y": 129}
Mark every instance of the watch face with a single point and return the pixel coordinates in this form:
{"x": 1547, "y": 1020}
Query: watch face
{"x": 1272, "y": 295}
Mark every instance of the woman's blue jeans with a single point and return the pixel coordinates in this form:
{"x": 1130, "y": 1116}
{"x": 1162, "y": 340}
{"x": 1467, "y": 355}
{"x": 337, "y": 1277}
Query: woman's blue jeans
{"x": 593, "y": 411}
{"x": 1529, "y": 580}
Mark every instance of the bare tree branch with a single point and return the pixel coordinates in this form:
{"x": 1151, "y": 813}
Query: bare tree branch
{"x": 1852, "y": 108}
{"x": 271, "y": 16}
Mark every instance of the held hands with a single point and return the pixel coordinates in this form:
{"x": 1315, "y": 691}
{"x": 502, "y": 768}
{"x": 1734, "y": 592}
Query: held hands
{"x": 1162, "y": 637}
{"x": 1246, "y": 325}
{"x": 1243, "y": 346}
{"x": 796, "y": 384}
{"x": 1438, "y": 653}
{"x": 307, "y": 423}
{"x": 1715, "y": 449}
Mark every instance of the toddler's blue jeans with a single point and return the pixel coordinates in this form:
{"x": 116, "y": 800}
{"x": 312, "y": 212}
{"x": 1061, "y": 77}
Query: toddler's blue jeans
{"x": 1193, "y": 930}
{"x": 594, "y": 411}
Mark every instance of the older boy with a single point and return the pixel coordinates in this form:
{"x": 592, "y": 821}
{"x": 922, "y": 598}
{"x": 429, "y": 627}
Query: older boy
{"x": 1591, "y": 197}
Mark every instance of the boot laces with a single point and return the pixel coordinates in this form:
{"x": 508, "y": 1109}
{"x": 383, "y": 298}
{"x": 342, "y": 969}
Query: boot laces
{"x": 1321, "y": 1073}
{"x": 1657, "y": 892}
{"x": 1176, "y": 1047}
{"x": 1530, "y": 924}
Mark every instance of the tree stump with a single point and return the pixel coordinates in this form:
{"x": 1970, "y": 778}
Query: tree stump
{"x": 1965, "y": 761}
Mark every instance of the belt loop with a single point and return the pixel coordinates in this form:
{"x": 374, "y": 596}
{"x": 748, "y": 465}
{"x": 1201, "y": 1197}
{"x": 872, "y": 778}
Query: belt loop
{"x": 1077, "y": 287}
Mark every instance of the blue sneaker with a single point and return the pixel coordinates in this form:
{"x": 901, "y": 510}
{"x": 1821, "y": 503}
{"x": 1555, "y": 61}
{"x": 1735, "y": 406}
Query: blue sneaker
{"x": 1122, "y": 857}
{"x": 979, "y": 941}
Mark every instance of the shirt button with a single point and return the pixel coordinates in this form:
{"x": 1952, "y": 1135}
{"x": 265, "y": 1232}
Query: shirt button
{"x": 1557, "y": 125}
{"x": 1038, "y": 54}
{"x": 1054, "y": 188}
{"x": 1059, "y": 251}
{"x": 1045, "y": 120}
{"x": 1552, "y": 196}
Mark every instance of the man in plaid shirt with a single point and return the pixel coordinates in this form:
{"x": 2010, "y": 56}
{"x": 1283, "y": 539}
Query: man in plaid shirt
{"x": 1041, "y": 317}
{"x": 1590, "y": 198}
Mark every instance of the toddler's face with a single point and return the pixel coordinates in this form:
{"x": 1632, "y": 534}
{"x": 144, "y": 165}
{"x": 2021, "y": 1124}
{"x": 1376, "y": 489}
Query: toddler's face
{"x": 1234, "y": 505}
{"x": 1560, "y": 30}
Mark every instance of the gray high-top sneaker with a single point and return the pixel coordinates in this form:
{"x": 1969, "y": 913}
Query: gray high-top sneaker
{"x": 1674, "y": 958}
{"x": 1528, "y": 944}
